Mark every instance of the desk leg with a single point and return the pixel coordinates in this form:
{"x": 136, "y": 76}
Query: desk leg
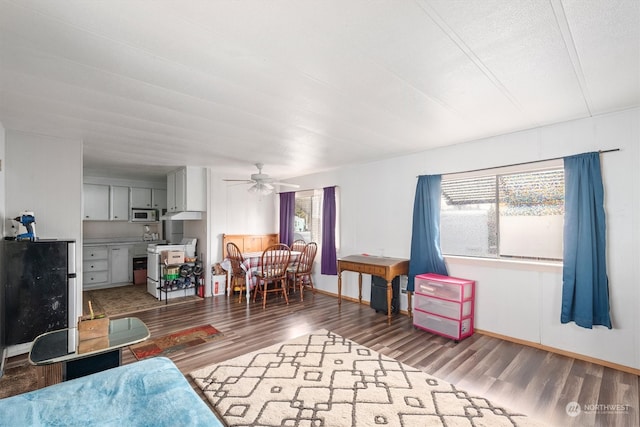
{"x": 359, "y": 288}
{"x": 409, "y": 294}
{"x": 339, "y": 287}
{"x": 389, "y": 297}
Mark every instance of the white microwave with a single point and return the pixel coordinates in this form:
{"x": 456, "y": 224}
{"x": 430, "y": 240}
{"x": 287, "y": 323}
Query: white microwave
{"x": 144, "y": 215}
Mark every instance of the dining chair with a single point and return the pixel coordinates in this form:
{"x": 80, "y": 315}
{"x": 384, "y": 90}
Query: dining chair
{"x": 301, "y": 273}
{"x": 273, "y": 271}
{"x": 238, "y": 274}
{"x": 298, "y": 245}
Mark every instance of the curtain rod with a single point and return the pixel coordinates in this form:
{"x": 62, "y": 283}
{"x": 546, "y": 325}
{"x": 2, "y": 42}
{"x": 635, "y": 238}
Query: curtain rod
{"x": 307, "y": 189}
{"x": 522, "y": 163}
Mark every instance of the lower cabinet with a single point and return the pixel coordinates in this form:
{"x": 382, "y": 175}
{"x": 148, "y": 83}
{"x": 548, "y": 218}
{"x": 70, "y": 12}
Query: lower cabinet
{"x": 95, "y": 266}
{"x": 119, "y": 264}
{"x": 104, "y": 265}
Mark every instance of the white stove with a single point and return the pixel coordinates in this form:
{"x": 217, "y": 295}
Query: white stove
{"x": 154, "y": 267}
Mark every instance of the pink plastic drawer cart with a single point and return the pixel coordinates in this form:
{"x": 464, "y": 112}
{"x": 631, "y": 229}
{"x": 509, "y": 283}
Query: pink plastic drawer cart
{"x": 444, "y": 305}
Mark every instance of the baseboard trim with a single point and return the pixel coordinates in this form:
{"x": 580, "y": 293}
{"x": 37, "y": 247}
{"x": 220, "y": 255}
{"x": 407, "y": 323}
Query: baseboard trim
{"x": 550, "y": 349}
{"x": 561, "y": 352}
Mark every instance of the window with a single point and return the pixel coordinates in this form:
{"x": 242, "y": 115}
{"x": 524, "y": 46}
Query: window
{"x": 307, "y": 223}
{"x": 505, "y": 215}
{"x": 308, "y": 217}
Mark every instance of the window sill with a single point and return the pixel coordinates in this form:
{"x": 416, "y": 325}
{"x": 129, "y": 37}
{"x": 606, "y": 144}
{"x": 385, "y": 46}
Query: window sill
{"x": 529, "y": 265}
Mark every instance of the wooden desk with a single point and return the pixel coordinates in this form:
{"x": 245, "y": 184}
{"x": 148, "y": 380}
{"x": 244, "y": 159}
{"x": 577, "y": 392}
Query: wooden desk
{"x": 385, "y": 267}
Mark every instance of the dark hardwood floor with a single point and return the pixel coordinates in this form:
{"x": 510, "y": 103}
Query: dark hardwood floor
{"x": 525, "y": 379}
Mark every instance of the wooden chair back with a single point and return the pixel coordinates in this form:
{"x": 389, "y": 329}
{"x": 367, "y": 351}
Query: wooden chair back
{"x": 298, "y": 245}
{"x": 236, "y": 258}
{"x": 275, "y": 260}
{"x": 238, "y": 275}
{"x": 305, "y": 261}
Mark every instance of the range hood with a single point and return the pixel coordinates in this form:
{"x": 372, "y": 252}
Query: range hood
{"x": 181, "y": 216}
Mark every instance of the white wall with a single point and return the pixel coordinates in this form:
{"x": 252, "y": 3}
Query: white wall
{"x": 3, "y": 167}
{"x": 234, "y": 210}
{"x": 44, "y": 174}
{"x": 2, "y": 224}
{"x": 514, "y": 299}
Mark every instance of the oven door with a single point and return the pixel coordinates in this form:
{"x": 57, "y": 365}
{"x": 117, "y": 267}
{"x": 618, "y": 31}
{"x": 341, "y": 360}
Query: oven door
{"x": 153, "y": 274}
{"x": 153, "y": 266}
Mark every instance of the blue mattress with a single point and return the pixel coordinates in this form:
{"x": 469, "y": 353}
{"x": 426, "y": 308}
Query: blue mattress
{"x": 152, "y": 392}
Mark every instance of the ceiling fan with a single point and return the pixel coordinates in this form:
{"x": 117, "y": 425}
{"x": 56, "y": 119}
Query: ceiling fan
{"x": 262, "y": 183}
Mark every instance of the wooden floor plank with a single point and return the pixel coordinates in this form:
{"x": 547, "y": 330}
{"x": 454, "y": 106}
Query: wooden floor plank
{"x": 525, "y": 379}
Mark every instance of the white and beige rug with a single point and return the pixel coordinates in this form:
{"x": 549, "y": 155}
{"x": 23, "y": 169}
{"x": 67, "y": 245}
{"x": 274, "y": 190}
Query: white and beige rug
{"x": 323, "y": 379}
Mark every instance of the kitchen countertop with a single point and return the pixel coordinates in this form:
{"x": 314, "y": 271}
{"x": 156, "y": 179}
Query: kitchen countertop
{"x": 118, "y": 241}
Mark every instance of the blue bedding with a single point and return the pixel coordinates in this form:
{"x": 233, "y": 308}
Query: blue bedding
{"x": 151, "y": 392}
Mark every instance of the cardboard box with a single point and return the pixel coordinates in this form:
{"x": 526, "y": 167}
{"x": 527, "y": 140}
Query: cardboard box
{"x": 93, "y": 344}
{"x": 172, "y": 257}
{"x": 218, "y": 285}
{"x": 90, "y": 329}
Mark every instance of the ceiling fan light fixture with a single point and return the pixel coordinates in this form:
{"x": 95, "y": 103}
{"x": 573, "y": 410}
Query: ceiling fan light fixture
{"x": 260, "y": 188}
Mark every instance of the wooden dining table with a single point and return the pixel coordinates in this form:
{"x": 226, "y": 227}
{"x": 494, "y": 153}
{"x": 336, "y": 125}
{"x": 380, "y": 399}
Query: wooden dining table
{"x": 252, "y": 263}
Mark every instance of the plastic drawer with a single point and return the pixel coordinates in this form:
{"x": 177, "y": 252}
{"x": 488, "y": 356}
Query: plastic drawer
{"x": 454, "y": 329}
{"x": 443, "y": 308}
{"x": 444, "y": 287}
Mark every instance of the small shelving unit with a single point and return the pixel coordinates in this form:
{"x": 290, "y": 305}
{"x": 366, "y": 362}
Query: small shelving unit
{"x": 173, "y": 280}
{"x": 444, "y": 305}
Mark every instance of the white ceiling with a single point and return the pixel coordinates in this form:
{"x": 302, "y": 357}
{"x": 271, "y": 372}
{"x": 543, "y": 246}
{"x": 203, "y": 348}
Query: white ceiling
{"x": 305, "y": 85}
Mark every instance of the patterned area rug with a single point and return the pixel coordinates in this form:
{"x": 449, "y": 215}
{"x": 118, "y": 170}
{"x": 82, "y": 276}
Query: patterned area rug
{"x": 18, "y": 379}
{"x": 128, "y": 299}
{"x": 323, "y": 379}
{"x": 174, "y": 342}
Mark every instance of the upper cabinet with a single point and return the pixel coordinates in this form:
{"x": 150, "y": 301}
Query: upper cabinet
{"x": 186, "y": 189}
{"x": 103, "y": 202}
{"x": 141, "y": 198}
{"x": 119, "y": 203}
{"x": 159, "y": 199}
{"x": 95, "y": 202}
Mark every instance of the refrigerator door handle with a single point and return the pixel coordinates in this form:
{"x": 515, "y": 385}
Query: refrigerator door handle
{"x": 73, "y": 297}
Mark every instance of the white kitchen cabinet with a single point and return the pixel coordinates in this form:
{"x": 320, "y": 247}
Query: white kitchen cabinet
{"x": 119, "y": 264}
{"x": 171, "y": 192}
{"x": 141, "y": 198}
{"x": 119, "y": 203}
{"x": 95, "y": 266}
{"x": 186, "y": 190}
{"x": 95, "y": 202}
{"x": 159, "y": 199}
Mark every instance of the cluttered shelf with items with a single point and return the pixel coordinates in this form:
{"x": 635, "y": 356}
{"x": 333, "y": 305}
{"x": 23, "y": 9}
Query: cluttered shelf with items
{"x": 180, "y": 273}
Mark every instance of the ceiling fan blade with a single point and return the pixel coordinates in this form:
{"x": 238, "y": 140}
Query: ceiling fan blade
{"x": 247, "y": 181}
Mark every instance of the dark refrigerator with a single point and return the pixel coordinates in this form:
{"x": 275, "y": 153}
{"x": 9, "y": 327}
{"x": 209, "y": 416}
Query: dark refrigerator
{"x": 38, "y": 286}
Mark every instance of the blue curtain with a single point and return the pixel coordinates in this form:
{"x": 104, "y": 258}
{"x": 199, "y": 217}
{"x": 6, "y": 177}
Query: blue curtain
{"x": 585, "y": 286}
{"x": 287, "y": 214}
{"x": 328, "y": 258}
{"x": 426, "y": 256}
